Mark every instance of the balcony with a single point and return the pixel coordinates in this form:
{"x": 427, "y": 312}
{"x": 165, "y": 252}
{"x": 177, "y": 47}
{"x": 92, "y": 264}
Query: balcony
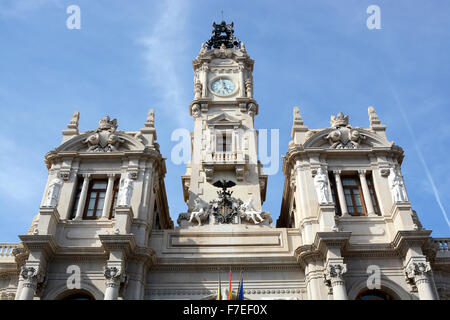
{"x": 224, "y": 161}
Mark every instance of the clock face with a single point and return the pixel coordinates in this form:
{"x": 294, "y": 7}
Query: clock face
{"x": 223, "y": 86}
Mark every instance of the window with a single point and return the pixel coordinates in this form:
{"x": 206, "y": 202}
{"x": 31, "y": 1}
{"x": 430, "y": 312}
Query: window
{"x": 373, "y": 295}
{"x": 112, "y": 212}
{"x": 77, "y": 199}
{"x": 353, "y": 195}
{"x": 373, "y": 195}
{"x": 95, "y": 199}
{"x": 223, "y": 142}
{"x": 337, "y": 206}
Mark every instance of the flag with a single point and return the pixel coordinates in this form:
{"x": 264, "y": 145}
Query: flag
{"x": 241, "y": 288}
{"x": 230, "y": 292}
{"x": 219, "y": 291}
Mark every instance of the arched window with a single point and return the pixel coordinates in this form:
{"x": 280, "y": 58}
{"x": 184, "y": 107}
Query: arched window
{"x": 76, "y": 295}
{"x": 374, "y": 295}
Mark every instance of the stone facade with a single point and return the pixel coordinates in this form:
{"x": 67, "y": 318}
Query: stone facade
{"x": 345, "y": 214}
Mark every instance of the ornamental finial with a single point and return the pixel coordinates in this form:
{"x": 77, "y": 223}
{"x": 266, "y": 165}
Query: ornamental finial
{"x": 223, "y": 34}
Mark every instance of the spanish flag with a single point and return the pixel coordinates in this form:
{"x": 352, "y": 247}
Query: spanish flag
{"x": 219, "y": 291}
{"x": 230, "y": 292}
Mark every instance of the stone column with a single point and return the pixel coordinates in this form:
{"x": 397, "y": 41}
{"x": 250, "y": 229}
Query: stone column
{"x": 241, "y": 81}
{"x": 83, "y": 195}
{"x": 366, "y": 193}
{"x": 418, "y": 273}
{"x": 334, "y": 275}
{"x": 113, "y": 277}
{"x": 30, "y": 277}
{"x": 340, "y": 191}
{"x": 108, "y": 197}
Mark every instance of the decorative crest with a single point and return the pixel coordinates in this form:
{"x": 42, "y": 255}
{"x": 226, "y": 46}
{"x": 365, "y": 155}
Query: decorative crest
{"x": 107, "y": 124}
{"x": 339, "y": 121}
{"x": 223, "y": 36}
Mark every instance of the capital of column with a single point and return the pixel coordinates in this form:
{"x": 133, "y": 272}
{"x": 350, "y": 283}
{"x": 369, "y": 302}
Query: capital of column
{"x": 334, "y": 273}
{"x": 30, "y": 276}
{"x": 86, "y": 176}
{"x": 111, "y": 175}
{"x": 362, "y": 172}
{"x": 418, "y": 272}
{"x": 113, "y": 276}
{"x": 337, "y": 172}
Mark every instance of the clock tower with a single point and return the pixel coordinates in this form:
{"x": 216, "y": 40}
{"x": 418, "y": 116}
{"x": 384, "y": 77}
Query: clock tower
{"x": 224, "y": 141}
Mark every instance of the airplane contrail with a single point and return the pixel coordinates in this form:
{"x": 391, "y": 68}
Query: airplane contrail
{"x": 419, "y": 152}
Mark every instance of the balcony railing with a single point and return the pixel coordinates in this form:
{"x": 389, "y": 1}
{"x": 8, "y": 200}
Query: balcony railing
{"x": 443, "y": 243}
{"x": 6, "y": 250}
{"x": 224, "y": 156}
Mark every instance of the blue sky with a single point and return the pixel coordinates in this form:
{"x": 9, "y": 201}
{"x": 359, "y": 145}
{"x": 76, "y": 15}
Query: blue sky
{"x": 130, "y": 56}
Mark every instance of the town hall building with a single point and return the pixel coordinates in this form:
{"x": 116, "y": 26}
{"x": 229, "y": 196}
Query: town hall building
{"x": 346, "y": 229}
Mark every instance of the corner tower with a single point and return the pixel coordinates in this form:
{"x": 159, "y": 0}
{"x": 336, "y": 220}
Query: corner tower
{"x": 224, "y": 142}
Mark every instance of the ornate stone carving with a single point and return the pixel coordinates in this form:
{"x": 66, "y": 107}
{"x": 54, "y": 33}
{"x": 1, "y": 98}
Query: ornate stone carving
{"x": 52, "y": 195}
{"x": 104, "y": 139}
{"x": 417, "y": 273}
{"x": 249, "y": 88}
{"x": 344, "y": 136}
{"x": 150, "y": 121}
{"x": 73, "y": 124}
{"x": 396, "y": 185}
{"x": 197, "y": 90}
{"x": 199, "y": 212}
{"x": 373, "y": 117}
{"x": 321, "y": 185}
{"x": 125, "y": 192}
{"x": 251, "y": 109}
{"x": 64, "y": 174}
{"x": 223, "y": 36}
{"x": 113, "y": 276}
{"x": 250, "y": 213}
{"x": 31, "y": 277}
{"x": 196, "y": 110}
{"x": 334, "y": 273}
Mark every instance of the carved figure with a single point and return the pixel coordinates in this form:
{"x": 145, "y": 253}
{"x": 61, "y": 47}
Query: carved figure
{"x": 250, "y": 213}
{"x": 396, "y": 184}
{"x": 51, "y": 197}
{"x": 198, "y": 211}
{"x": 125, "y": 192}
{"x": 321, "y": 185}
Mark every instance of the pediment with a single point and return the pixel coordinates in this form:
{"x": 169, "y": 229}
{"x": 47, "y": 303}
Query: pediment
{"x": 121, "y": 142}
{"x": 323, "y": 139}
{"x": 224, "y": 119}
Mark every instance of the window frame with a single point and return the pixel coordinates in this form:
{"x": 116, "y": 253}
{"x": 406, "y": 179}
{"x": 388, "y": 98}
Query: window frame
{"x": 88, "y": 198}
{"x": 352, "y": 188}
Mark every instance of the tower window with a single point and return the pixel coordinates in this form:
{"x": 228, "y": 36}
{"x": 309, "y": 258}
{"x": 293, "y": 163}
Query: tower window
{"x": 353, "y": 195}
{"x": 334, "y": 194}
{"x": 223, "y": 142}
{"x": 95, "y": 199}
{"x": 373, "y": 195}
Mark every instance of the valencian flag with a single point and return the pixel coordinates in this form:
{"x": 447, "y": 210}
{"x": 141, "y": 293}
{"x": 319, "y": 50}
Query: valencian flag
{"x": 219, "y": 291}
{"x": 230, "y": 292}
{"x": 241, "y": 288}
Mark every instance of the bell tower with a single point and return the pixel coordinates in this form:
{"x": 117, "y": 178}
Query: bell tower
{"x": 224, "y": 141}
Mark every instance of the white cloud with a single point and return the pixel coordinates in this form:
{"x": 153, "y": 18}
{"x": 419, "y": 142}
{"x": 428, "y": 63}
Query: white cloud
{"x": 164, "y": 51}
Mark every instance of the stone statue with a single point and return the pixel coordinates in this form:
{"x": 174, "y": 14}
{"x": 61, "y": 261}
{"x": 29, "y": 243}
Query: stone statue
{"x": 396, "y": 184}
{"x": 343, "y": 136}
{"x": 321, "y": 185}
{"x": 250, "y": 213}
{"x": 51, "y": 197}
{"x": 198, "y": 211}
{"x": 125, "y": 192}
